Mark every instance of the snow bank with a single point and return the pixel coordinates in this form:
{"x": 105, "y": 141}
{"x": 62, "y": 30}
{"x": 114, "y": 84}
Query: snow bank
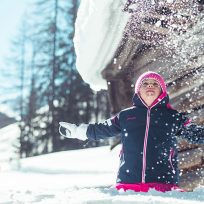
{"x": 8, "y": 147}
{"x": 99, "y": 27}
{"x": 111, "y": 196}
{"x": 79, "y": 177}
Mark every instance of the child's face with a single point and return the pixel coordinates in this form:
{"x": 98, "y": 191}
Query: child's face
{"x": 149, "y": 91}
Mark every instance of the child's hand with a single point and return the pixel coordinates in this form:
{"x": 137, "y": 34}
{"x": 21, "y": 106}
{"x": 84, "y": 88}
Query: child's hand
{"x": 73, "y": 131}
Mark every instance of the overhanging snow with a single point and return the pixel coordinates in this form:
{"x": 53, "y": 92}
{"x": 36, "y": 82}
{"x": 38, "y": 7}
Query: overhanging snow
{"x": 99, "y": 27}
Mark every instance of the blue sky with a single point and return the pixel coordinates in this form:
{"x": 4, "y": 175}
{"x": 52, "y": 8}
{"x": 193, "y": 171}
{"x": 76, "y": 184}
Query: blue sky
{"x": 11, "y": 12}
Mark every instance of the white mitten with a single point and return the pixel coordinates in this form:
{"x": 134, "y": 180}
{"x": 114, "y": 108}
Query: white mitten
{"x": 73, "y": 131}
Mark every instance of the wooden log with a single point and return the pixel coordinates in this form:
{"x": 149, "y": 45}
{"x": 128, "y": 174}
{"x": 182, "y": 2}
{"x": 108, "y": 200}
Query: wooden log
{"x": 191, "y": 159}
{"x": 192, "y": 179}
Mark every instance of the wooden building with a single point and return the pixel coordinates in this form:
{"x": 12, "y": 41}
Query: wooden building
{"x": 166, "y": 37}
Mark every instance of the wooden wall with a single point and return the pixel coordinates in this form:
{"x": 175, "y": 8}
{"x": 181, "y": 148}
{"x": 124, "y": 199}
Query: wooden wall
{"x": 175, "y": 49}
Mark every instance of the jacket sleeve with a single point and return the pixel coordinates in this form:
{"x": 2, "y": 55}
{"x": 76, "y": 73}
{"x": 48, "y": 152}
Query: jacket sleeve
{"x": 192, "y": 132}
{"x": 109, "y": 128}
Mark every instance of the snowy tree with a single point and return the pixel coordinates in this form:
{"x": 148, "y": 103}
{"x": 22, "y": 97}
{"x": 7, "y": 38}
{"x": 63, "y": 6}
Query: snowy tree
{"x": 56, "y": 91}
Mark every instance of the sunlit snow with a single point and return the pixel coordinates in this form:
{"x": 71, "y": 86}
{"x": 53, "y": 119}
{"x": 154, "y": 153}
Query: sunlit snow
{"x": 77, "y": 177}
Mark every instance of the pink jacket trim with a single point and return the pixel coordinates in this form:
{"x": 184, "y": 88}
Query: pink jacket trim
{"x": 187, "y": 122}
{"x": 158, "y": 99}
{"x": 168, "y": 105}
{"x": 145, "y": 187}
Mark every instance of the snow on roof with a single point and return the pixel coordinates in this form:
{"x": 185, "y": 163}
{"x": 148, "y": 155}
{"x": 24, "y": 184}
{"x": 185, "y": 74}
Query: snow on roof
{"x": 99, "y": 27}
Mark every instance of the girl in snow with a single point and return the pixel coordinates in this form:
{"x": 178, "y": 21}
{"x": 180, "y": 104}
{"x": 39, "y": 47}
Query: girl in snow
{"x": 149, "y": 131}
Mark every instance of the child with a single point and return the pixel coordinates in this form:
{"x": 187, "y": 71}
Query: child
{"x": 149, "y": 133}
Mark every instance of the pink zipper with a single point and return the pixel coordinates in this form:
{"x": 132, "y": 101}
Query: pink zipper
{"x": 171, "y": 155}
{"x": 121, "y": 152}
{"x": 146, "y": 135}
{"x": 145, "y": 146}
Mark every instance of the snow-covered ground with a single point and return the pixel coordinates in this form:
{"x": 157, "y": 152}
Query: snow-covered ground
{"x": 76, "y": 177}
{"x": 8, "y": 146}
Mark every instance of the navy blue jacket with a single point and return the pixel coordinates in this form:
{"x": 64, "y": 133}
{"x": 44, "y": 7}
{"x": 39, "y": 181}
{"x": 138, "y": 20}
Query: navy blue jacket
{"x": 149, "y": 141}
